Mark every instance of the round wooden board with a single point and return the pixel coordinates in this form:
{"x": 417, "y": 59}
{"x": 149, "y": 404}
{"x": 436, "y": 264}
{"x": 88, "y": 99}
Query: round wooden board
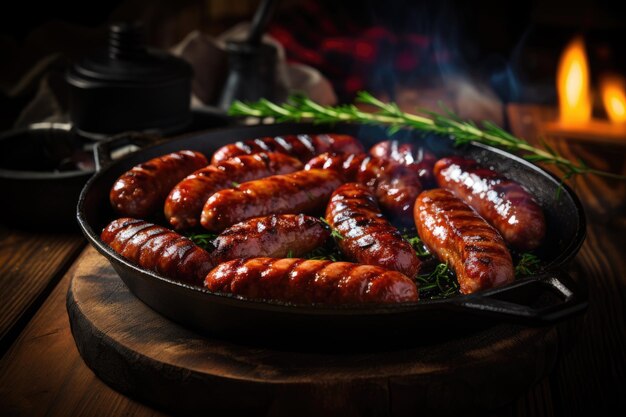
{"x": 142, "y": 354}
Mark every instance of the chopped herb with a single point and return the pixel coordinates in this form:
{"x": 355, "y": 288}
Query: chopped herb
{"x": 528, "y": 264}
{"x": 417, "y": 244}
{"x": 334, "y": 233}
{"x": 204, "y": 240}
{"x": 290, "y": 254}
{"x": 438, "y": 283}
{"x": 235, "y": 184}
{"x": 324, "y": 253}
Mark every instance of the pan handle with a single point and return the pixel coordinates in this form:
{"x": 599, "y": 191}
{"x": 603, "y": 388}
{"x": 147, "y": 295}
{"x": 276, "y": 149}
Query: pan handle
{"x": 103, "y": 150}
{"x": 540, "y": 300}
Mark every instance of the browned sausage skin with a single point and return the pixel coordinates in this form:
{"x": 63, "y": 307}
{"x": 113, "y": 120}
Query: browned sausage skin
{"x": 367, "y": 237}
{"x": 419, "y": 160}
{"x": 158, "y": 249}
{"x": 310, "y": 281}
{"x": 299, "y": 192}
{"x": 302, "y": 147}
{"x": 275, "y": 236}
{"x": 184, "y": 204}
{"x": 348, "y": 165}
{"x": 505, "y": 204}
{"x": 141, "y": 191}
{"x": 457, "y": 235}
{"x": 395, "y": 186}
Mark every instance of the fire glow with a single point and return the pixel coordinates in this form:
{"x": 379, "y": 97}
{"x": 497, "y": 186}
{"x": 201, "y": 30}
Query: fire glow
{"x": 614, "y": 98}
{"x": 573, "y": 84}
{"x": 576, "y": 99}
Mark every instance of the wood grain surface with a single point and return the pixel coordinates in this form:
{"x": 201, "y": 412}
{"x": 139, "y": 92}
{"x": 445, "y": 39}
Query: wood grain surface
{"x": 590, "y": 378}
{"x": 144, "y": 355}
{"x": 30, "y": 265}
{"x": 42, "y": 374}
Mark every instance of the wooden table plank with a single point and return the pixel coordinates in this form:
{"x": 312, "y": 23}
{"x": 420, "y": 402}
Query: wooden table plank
{"x": 31, "y": 263}
{"x": 590, "y": 378}
{"x": 42, "y": 374}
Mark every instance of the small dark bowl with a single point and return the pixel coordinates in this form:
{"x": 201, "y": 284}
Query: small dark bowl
{"x": 42, "y": 171}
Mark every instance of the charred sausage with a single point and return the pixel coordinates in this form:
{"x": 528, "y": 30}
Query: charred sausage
{"x": 419, "y": 160}
{"x": 505, "y": 204}
{"x": 158, "y": 249}
{"x": 184, "y": 204}
{"x": 310, "y": 281}
{"x": 457, "y": 235}
{"x": 348, "y": 165}
{"x": 299, "y": 192}
{"x": 275, "y": 236}
{"x": 302, "y": 147}
{"x": 395, "y": 186}
{"x": 367, "y": 237}
{"x": 141, "y": 191}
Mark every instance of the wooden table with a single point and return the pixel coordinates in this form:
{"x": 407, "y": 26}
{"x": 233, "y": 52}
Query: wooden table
{"x": 41, "y": 372}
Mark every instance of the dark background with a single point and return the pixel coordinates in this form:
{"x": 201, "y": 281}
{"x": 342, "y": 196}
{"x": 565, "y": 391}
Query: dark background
{"x": 511, "y": 46}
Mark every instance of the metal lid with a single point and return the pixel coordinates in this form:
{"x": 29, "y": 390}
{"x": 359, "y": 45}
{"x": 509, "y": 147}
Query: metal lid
{"x": 128, "y": 60}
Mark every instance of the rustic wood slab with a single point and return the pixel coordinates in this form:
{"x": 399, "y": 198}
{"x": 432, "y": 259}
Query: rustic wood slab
{"x": 146, "y": 356}
{"x": 31, "y": 263}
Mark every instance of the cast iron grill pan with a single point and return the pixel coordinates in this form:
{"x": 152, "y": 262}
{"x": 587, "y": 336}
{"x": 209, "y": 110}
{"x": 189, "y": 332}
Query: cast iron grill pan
{"x": 536, "y": 300}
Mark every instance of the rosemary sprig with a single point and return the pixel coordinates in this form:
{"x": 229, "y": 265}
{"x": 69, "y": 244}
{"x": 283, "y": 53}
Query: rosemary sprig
{"x": 299, "y": 108}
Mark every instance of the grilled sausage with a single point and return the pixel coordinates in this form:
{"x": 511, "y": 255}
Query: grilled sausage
{"x": 310, "y": 281}
{"x": 184, "y": 204}
{"x": 275, "y": 236}
{"x": 302, "y": 147}
{"x": 395, "y": 186}
{"x": 505, "y": 204}
{"x": 367, "y": 237}
{"x": 419, "y": 160}
{"x": 158, "y": 249}
{"x": 348, "y": 165}
{"x": 141, "y": 191}
{"x": 464, "y": 240}
{"x": 299, "y": 192}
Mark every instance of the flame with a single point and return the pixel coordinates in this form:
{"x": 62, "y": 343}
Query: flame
{"x": 573, "y": 84}
{"x": 614, "y": 98}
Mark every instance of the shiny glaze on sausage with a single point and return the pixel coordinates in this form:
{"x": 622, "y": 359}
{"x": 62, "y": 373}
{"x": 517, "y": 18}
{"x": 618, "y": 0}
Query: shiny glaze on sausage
{"x": 302, "y": 147}
{"x": 141, "y": 191}
{"x": 367, "y": 237}
{"x": 395, "y": 186}
{"x": 504, "y": 203}
{"x": 419, "y": 160}
{"x": 275, "y": 236}
{"x": 299, "y": 192}
{"x": 158, "y": 249}
{"x": 458, "y": 236}
{"x": 310, "y": 281}
{"x": 183, "y": 205}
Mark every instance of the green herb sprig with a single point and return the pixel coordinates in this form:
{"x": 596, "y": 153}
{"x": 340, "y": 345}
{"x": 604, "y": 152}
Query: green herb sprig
{"x": 527, "y": 264}
{"x": 333, "y": 232}
{"x": 418, "y": 245}
{"x": 204, "y": 240}
{"x": 299, "y": 108}
{"x": 440, "y": 283}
